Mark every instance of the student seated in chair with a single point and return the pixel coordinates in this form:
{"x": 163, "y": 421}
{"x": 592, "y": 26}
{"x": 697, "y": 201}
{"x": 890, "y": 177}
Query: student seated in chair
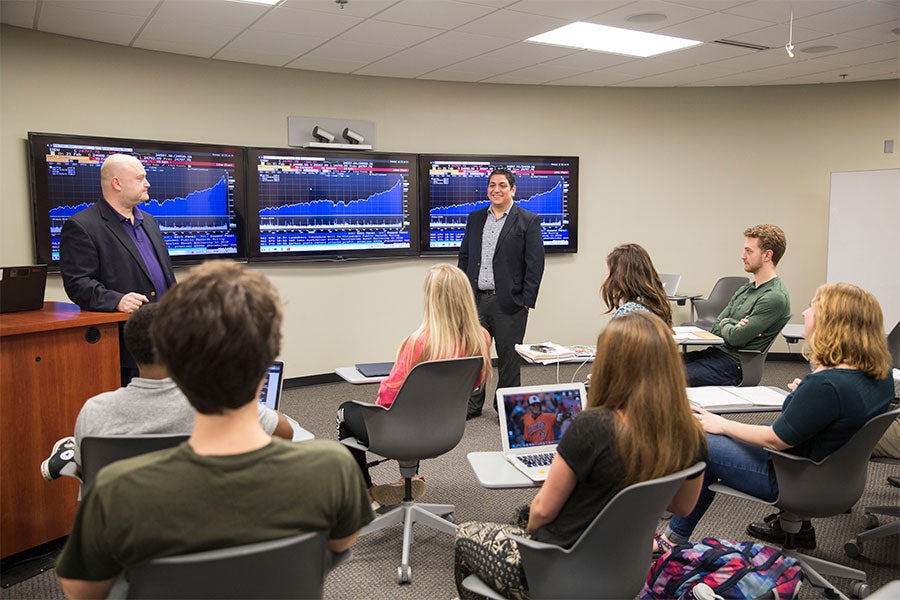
{"x": 618, "y": 441}
{"x": 150, "y": 404}
{"x": 851, "y": 384}
{"x": 752, "y": 318}
{"x": 231, "y": 483}
{"x": 449, "y": 329}
{"x": 633, "y": 284}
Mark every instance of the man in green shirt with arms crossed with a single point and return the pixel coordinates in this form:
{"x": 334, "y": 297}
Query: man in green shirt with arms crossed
{"x": 230, "y": 483}
{"x": 753, "y": 317}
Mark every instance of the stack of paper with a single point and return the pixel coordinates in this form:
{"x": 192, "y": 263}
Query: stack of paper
{"x": 689, "y": 332}
{"x": 545, "y": 352}
{"x": 713, "y": 397}
{"x": 584, "y": 351}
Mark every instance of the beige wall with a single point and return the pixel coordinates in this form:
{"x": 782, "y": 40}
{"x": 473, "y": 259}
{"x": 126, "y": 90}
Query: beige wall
{"x": 682, "y": 171}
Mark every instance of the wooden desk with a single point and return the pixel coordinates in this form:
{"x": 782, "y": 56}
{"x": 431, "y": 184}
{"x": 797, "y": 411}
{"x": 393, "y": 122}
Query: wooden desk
{"x": 51, "y": 361}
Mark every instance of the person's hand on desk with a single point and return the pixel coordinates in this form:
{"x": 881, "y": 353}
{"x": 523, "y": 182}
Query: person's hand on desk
{"x": 131, "y": 301}
{"x": 711, "y": 423}
{"x": 793, "y": 385}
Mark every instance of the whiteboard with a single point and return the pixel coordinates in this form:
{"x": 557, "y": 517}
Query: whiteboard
{"x": 864, "y": 235}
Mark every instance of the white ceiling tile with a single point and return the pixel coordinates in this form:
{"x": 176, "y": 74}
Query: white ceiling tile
{"x": 755, "y": 60}
{"x": 777, "y": 36}
{"x": 271, "y": 47}
{"x": 780, "y": 11}
{"x": 305, "y": 22}
{"x": 698, "y": 55}
{"x": 412, "y": 63}
{"x": 345, "y": 50}
{"x": 855, "y": 16}
{"x": 330, "y": 65}
{"x": 714, "y": 26}
{"x": 459, "y": 45}
{"x": 189, "y": 33}
{"x": 453, "y": 74}
{"x": 586, "y": 60}
{"x": 710, "y": 4}
{"x": 605, "y": 77}
{"x": 517, "y": 55}
{"x": 680, "y": 77}
{"x": 793, "y": 69}
{"x": 218, "y": 14}
{"x": 573, "y": 10}
{"x": 857, "y": 73}
{"x": 885, "y": 66}
{"x": 862, "y": 55}
{"x": 675, "y": 13}
{"x": 19, "y": 13}
{"x": 104, "y": 27}
{"x": 532, "y": 75}
{"x": 512, "y": 25}
{"x": 380, "y": 32}
{"x": 138, "y": 8}
{"x": 189, "y": 47}
{"x": 883, "y": 32}
{"x": 445, "y": 14}
{"x": 356, "y": 8}
{"x": 491, "y": 3}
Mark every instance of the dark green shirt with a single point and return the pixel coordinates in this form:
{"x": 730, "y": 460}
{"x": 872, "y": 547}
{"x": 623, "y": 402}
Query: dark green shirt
{"x": 176, "y": 502}
{"x": 768, "y": 309}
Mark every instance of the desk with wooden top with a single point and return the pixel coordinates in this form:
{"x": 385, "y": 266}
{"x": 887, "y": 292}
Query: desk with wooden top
{"x": 51, "y": 361}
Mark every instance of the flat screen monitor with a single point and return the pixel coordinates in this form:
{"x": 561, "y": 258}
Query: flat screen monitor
{"x": 196, "y": 191}
{"x": 454, "y": 185}
{"x": 314, "y": 204}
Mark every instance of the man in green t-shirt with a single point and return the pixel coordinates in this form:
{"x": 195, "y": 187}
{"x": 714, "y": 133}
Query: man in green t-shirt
{"x": 752, "y": 318}
{"x": 230, "y": 483}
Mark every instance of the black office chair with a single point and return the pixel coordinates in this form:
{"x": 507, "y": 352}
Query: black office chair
{"x": 99, "y": 451}
{"x": 707, "y": 309}
{"x": 611, "y": 557}
{"x": 752, "y": 364}
{"x": 292, "y": 567}
{"x": 426, "y": 419}
{"x": 808, "y": 489}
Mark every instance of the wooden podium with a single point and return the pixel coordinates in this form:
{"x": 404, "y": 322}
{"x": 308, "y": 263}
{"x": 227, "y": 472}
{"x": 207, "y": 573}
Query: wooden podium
{"x": 51, "y": 361}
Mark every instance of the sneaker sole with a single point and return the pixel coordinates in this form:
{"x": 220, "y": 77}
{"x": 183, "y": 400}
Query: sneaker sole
{"x": 393, "y": 494}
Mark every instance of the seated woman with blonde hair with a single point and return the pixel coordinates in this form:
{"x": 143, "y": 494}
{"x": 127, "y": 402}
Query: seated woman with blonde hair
{"x": 617, "y": 441}
{"x": 844, "y": 329}
{"x": 449, "y": 329}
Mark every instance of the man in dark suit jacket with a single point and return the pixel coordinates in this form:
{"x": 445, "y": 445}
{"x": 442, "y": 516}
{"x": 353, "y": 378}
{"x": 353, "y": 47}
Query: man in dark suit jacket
{"x": 112, "y": 255}
{"x": 502, "y": 253}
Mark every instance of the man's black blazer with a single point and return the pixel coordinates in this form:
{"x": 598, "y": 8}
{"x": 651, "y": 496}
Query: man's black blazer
{"x": 518, "y": 258}
{"x": 100, "y": 263}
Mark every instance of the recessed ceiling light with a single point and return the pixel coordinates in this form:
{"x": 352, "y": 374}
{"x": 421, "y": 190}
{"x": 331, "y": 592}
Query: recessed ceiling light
{"x": 647, "y": 18}
{"x": 266, "y": 2}
{"x": 589, "y": 36}
{"x": 819, "y": 49}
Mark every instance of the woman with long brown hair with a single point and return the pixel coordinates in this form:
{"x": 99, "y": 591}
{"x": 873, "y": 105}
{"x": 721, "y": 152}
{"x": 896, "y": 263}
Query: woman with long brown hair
{"x": 618, "y": 440}
{"x": 633, "y": 284}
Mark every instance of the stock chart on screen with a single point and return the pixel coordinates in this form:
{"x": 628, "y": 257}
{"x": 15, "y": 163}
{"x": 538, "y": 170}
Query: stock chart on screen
{"x": 455, "y": 186}
{"x": 331, "y": 205}
{"x": 196, "y": 191}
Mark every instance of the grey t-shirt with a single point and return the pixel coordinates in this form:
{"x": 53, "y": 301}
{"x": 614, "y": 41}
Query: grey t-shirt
{"x": 144, "y": 406}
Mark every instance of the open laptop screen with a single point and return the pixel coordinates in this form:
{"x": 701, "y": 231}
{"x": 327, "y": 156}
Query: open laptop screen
{"x": 539, "y": 415}
{"x": 270, "y": 396}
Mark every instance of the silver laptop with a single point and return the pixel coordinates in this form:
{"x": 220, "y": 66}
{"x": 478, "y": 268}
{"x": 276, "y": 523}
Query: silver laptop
{"x": 270, "y": 396}
{"x": 529, "y": 436}
{"x": 670, "y": 283}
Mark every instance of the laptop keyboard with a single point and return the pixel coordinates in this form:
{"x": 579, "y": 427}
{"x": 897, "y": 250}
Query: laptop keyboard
{"x": 542, "y": 459}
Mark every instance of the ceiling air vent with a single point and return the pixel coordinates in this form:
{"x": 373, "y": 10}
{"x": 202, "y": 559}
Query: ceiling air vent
{"x": 746, "y": 45}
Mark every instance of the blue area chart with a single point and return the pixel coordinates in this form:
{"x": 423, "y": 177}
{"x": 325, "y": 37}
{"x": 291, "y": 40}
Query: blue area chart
{"x": 388, "y": 203}
{"x": 448, "y": 215}
{"x": 211, "y": 202}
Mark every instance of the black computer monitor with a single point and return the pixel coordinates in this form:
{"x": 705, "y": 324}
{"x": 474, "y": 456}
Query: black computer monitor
{"x": 323, "y": 205}
{"x": 453, "y": 185}
{"x": 196, "y": 191}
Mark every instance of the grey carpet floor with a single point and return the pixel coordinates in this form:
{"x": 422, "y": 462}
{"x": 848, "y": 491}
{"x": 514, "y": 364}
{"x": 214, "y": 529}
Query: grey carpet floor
{"x": 372, "y": 570}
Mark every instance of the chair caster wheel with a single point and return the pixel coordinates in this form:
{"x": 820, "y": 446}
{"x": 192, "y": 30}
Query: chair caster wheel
{"x": 451, "y": 517}
{"x": 869, "y": 521}
{"x": 404, "y": 574}
{"x": 858, "y": 589}
{"x": 853, "y": 549}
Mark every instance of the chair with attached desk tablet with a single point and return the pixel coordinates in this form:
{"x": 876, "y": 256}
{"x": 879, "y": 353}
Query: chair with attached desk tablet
{"x": 707, "y": 309}
{"x": 426, "y": 420}
{"x": 611, "y": 557}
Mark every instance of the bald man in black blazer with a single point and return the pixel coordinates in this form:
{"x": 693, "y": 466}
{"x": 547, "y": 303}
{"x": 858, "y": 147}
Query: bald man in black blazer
{"x": 502, "y": 253}
{"x": 112, "y": 255}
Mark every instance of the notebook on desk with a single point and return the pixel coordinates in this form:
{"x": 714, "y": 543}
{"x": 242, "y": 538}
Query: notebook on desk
{"x": 670, "y": 283}
{"x": 378, "y": 369}
{"x": 529, "y": 438}
{"x": 22, "y": 288}
{"x": 270, "y": 396}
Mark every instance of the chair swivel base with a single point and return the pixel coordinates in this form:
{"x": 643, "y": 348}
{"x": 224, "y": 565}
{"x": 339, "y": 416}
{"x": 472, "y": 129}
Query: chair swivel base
{"x": 408, "y": 512}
